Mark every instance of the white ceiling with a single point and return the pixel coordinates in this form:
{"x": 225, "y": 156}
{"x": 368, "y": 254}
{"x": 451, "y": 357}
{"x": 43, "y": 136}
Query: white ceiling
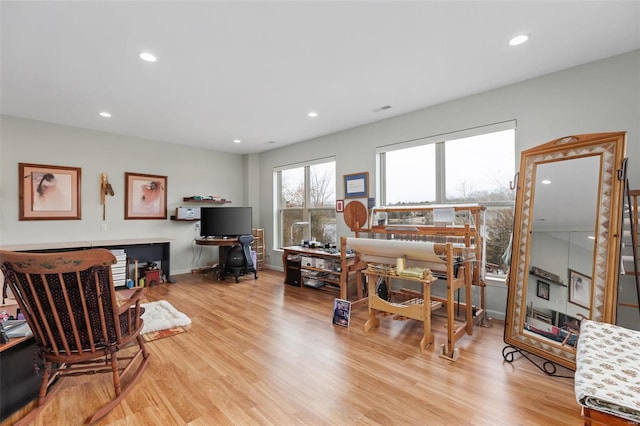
{"x": 253, "y": 70}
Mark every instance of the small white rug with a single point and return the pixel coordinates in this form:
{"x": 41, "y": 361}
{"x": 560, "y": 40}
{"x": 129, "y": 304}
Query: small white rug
{"x": 161, "y": 315}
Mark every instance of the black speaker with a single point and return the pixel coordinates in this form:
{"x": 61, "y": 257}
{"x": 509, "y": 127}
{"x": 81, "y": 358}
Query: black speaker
{"x": 292, "y": 273}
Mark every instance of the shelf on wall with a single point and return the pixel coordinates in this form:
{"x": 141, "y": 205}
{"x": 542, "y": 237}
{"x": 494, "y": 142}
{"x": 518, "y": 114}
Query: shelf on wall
{"x": 196, "y": 200}
{"x": 547, "y": 279}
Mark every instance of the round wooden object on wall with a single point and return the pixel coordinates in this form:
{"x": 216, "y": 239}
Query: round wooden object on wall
{"x": 355, "y": 215}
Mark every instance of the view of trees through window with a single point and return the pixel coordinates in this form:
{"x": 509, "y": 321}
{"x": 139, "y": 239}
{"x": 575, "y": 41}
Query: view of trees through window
{"x": 476, "y": 169}
{"x": 307, "y": 204}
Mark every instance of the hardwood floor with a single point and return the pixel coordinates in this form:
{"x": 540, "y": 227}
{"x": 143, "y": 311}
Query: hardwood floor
{"x": 261, "y": 352}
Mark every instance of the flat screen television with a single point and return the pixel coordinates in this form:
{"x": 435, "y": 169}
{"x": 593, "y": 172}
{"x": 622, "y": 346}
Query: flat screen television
{"x": 225, "y": 221}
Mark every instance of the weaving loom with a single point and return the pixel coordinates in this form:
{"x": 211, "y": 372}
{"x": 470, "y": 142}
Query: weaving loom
{"x": 444, "y": 260}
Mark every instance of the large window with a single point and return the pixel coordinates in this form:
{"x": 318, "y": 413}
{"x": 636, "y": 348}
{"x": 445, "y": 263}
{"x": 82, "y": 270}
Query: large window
{"x": 473, "y": 166}
{"x": 306, "y": 202}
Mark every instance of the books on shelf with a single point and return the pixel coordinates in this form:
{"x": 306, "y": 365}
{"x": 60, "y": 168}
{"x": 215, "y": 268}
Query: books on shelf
{"x": 119, "y": 269}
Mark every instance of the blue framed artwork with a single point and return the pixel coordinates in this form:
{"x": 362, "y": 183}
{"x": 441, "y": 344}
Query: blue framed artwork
{"x": 356, "y": 185}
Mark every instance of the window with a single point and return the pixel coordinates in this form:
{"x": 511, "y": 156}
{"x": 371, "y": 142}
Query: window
{"x": 306, "y": 203}
{"x": 472, "y": 166}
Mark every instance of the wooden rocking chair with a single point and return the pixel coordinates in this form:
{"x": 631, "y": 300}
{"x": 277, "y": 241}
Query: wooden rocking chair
{"x": 69, "y": 301}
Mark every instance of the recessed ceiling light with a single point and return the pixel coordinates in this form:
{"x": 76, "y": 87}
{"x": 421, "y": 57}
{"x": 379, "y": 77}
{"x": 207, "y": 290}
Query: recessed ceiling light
{"x": 237, "y": 141}
{"x": 546, "y": 182}
{"x": 105, "y": 114}
{"x": 312, "y": 114}
{"x": 591, "y": 237}
{"x": 519, "y": 39}
{"x": 148, "y": 57}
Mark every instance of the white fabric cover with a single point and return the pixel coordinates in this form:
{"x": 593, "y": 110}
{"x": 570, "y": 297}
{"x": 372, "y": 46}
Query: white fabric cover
{"x": 607, "y": 375}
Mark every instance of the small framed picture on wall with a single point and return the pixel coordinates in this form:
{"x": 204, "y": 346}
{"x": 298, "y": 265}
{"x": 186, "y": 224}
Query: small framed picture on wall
{"x": 543, "y": 290}
{"x": 356, "y": 185}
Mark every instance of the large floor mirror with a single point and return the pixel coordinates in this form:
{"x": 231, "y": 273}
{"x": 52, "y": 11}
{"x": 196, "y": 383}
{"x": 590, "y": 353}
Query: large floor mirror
{"x": 566, "y": 245}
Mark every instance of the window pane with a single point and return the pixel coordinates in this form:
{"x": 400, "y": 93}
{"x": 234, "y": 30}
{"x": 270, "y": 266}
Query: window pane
{"x": 307, "y": 212}
{"x": 294, "y": 229}
{"x": 411, "y": 175}
{"x": 499, "y": 222}
{"x": 479, "y": 168}
{"x": 292, "y": 188}
{"x": 323, "y": 225}
{"x": 322, "y": 181}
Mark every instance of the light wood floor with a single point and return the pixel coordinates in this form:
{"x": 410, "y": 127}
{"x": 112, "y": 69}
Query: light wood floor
{"x": 263, "y": 353}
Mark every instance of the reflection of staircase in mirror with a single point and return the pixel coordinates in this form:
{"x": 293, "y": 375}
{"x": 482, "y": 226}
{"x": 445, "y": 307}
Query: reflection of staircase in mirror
{"x": 628, "y": 312}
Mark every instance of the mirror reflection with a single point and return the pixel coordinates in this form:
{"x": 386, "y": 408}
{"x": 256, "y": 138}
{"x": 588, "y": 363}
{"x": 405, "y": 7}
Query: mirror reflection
{"x": 566, "y": 246}
{"x": 561, "y": 249}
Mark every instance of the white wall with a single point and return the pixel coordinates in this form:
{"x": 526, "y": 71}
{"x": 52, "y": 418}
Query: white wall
{"x": 603, "y": 96}
{"x": 189, "y": 171}
{"x": 555, "y": 253}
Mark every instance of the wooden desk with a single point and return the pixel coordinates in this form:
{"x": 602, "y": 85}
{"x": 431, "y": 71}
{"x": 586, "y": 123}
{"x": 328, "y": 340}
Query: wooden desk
{"x": 143, "y": 249}
{"x": 222, "y": 243}
{"x": 218, "y": 242}
{"x": 348, "y": 262}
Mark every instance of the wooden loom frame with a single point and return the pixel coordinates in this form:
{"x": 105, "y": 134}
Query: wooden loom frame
{"x": 421, "y": 311}
{"x": 470, "y": 234}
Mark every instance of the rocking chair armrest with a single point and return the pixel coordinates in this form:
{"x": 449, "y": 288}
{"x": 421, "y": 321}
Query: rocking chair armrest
{"x": 124, "y": 305}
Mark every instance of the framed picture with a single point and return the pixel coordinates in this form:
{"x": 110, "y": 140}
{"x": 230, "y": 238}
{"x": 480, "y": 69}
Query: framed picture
{"x": 543, "y": 290}
{"x": 579, "y": 289}
{"x": 341, "y": 312}
{"x": 339, "y": 206}
{"x": 49, "y": 192}
{"x": 145, "y": 196}
{"x": 356, "y": 185}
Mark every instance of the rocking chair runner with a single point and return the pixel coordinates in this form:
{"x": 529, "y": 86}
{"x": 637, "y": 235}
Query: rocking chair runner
{"x": 69, "y": 301}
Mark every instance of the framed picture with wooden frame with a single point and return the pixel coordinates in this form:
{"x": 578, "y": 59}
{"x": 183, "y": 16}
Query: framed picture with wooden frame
{"x": 579, "y": 289}
{"x": 356, "y": 185}
{"x": 49, "y": 192}
{"x": 145, "y": 196}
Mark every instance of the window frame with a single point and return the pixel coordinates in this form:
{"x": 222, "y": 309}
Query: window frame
{"x": 279, "y": 209}
{"x": 439, "y": 141}
{"x": 440, "y": 164}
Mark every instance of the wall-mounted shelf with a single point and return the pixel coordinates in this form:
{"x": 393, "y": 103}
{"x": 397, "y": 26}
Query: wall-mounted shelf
{"x": 199, "y": 200}
{"x": 548, "y": 280}
{"x": 208, "y": 201}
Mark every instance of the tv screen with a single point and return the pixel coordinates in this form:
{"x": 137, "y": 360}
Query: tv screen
{"x": 225, "y": 221}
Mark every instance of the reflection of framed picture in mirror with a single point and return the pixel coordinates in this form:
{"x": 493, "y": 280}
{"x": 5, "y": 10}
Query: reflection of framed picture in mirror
{"x": 579, "y": 289}
{"x": 543, "y": 290}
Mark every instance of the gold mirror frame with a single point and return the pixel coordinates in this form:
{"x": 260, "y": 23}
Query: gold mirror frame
{"x": 610, "y": 148}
